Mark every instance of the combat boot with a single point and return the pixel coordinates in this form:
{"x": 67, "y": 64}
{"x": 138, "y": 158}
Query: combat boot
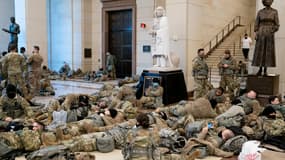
{"x": 220, "y": 153}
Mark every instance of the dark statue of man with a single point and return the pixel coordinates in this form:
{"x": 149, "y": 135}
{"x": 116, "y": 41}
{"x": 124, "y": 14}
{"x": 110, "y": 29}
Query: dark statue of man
{"x": 266, "y": 24}
{"x": 14, "y": 30}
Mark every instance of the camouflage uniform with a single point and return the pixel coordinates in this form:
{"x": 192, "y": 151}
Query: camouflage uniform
{"x": 153, "y": 97}
{"x": 200, "y": 73}
{"x": 250, "y": 106}
{"x": 212, "y": 95}
{"x": 274, "y": 127}
{"x": 45, "y": 83}
{"x": 14, "y": 108}
{"x": 34, "y": 68}
{"x": 141, "y": 144}
{"x": 110, "y": 65}
{"x": 227, "y": 75}
{"x": 211, "y": 140}
{"x": 108, "y": 120}
{"x": 13, "y": 65}
{"x": 71, "y": 99}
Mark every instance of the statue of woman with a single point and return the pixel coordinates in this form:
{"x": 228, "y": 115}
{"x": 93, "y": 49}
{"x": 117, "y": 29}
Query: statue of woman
{"x": 161, "y": 34}
{"x": 266, "y": 24}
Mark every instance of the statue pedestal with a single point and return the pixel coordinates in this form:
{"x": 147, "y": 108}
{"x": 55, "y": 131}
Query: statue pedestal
{"x": 171, "y": 79}
{"x": 265, "y": 86}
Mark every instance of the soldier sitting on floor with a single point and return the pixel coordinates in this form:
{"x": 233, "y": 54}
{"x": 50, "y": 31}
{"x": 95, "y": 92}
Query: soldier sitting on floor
{"x": 46, "y": 86}
{"x": 14, "y": 106}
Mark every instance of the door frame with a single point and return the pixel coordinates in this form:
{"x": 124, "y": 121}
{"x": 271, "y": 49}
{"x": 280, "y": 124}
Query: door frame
{"x": 117, "y": 5}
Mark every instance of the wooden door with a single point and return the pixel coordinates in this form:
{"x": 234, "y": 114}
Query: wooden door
{"x": 120, "y": 40}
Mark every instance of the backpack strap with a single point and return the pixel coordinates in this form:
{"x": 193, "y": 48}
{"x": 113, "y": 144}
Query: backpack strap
{"x": 151, "y": 148}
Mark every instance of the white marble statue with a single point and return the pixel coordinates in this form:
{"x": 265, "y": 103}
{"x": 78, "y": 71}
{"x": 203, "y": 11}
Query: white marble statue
{"x": 161, "y": 38}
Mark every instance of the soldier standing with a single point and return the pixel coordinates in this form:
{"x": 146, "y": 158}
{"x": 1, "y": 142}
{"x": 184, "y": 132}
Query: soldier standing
{"x": 200, "y": 73}
{"x": 110, "y": 65}
{"x": 34, "y": 68}
{"x": 227, "y": 68}
{"x": 13, "y": 66}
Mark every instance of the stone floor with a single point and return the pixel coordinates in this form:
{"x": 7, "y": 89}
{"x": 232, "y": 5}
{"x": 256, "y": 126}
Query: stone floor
{"x": 65, "y": 87}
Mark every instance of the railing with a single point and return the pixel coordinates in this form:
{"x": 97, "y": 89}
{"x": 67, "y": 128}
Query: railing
{"x": 236, "y": 45}
{"x": 216, "y": 40}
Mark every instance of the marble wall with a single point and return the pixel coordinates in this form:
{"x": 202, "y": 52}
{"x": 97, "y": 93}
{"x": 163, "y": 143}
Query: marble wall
{"x": 33, "y": 23}
{"x": 193, "y": 23}
{"x": 145, "y": 15}
{"x": 96, "y": 32}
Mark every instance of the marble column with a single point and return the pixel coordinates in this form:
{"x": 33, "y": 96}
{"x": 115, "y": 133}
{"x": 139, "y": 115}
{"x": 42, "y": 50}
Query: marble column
{"x": 32, "y": 16}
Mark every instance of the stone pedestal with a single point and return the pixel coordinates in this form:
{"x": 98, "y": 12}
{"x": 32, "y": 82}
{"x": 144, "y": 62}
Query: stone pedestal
{"x": 172, "y": 81}
{"x": 265, "y": 86}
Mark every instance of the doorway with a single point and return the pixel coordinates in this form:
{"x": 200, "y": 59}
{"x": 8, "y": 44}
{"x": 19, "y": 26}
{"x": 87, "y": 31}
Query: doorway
{"x": 120, "y": 27}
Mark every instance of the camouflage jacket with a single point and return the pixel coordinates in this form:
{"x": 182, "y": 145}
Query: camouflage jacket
{"x": 14, "y": 108}
{"x": 110, "y": 63}
{"x": 230, "y": 70}
{"x": 141, "y": 143}
{"x": 212, "y": 95}
{"x": 250, "y": 105}
{"x": 13, "y": 63}
{"x": 35, "y": 62}
{"x": 274, "y": 127}
{"x": 199, "y": 68}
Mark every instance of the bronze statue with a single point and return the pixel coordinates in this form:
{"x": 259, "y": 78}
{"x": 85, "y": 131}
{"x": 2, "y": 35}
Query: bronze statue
{"x": 14, "y": 30}
{"x": 266, "y": 24}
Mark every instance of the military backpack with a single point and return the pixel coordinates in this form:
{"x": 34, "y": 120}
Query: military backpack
{"x": 105, "y": 143}
{"x": 31, "y": 139}
{"x": 234, "y": 144}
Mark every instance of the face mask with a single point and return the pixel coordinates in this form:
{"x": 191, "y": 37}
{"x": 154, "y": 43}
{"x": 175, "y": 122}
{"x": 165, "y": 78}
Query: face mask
{"x": 11, "y": 95}
{"x": 272, "y": 116}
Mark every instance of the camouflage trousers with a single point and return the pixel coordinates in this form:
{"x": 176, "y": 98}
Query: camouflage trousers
{"x": 34, "y": 81}
{"x": 17, "y": 80}
{"x": 202, "y": 86}
{"x": 228, "y": 81}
